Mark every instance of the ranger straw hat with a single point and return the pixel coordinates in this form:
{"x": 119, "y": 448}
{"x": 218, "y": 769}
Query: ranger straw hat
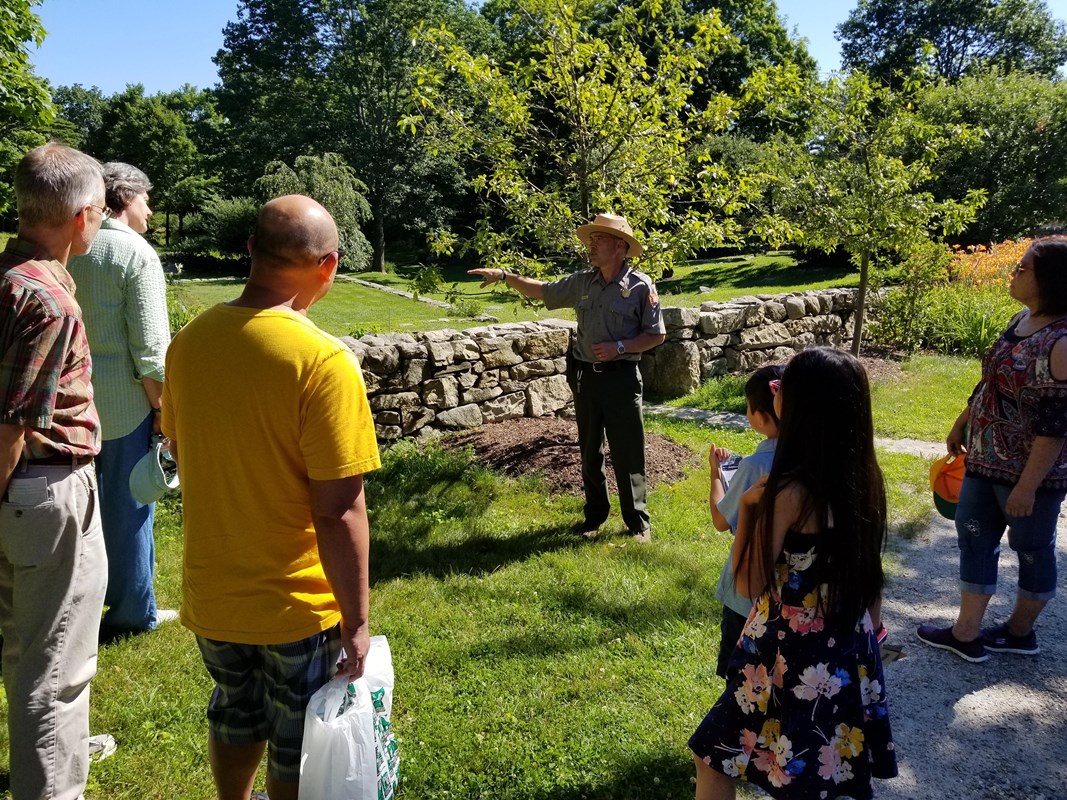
{"x": 613, "y": 225}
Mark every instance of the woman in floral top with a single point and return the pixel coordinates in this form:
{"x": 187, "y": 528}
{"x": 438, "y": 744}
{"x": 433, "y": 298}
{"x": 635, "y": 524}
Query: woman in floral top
{"x": 805, "y": 715}
{"x": 1016, "y": 463}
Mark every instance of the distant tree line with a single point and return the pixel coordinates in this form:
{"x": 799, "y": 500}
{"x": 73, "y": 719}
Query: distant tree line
{"x": 489, "y": 132}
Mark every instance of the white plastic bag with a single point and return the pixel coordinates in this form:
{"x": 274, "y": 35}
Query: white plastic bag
{"x": 350, "y": 753}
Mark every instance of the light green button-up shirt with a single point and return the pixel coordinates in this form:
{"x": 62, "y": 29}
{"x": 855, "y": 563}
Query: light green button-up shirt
{"x": 124, "y": 303}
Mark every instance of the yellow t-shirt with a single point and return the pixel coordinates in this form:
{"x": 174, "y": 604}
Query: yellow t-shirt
{"x": 259, "y": 402}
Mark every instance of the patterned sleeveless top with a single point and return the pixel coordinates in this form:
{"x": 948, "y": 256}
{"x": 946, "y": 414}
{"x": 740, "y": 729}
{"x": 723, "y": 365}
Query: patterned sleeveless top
{"x": 1016, "y": 400}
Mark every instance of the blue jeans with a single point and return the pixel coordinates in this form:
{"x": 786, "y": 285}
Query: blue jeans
{"x": 980, "y": 524}
{"x": 131, "y": 548}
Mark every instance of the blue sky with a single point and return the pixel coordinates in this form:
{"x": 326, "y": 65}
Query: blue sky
{"x": 164, "y": 44}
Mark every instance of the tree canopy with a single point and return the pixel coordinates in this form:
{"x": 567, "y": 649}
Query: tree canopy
{"x": 589, "y": 121}
{"x": 25, "y": 106}
{"x": 861, "y": 182}
{"x": 314, "y": 77}
{"x": 953, "y": 37}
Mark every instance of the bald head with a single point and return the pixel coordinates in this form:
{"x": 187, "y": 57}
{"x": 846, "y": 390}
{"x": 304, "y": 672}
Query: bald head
{"x": 292, "y": 231}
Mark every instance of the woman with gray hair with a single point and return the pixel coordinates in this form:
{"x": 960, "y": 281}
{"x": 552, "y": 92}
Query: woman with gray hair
{"x": 123, "y": 297}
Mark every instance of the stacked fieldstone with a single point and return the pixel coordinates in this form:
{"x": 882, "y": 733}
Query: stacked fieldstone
{"x": 448, "y": 380}
{"x": 743, "y": 334}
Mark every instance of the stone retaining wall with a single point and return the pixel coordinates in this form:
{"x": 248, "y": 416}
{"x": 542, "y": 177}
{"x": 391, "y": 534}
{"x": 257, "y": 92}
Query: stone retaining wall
{"x": 449, "y": 380}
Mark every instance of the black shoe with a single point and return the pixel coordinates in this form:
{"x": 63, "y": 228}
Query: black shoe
{"x": 973, "y": 651}
{"x": 1001, "y": 640}
{"x": 587, "y": 530}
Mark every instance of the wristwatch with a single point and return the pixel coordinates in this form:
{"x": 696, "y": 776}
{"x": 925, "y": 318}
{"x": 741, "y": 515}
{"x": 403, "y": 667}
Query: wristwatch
{"x": 620, "y": 348}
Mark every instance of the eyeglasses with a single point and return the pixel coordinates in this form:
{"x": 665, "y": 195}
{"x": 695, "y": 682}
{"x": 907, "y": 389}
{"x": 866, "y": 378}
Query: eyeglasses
{"x": 340, "y": 254}
{"x": 105, "y": 212}
{"x": 775, "y": 386}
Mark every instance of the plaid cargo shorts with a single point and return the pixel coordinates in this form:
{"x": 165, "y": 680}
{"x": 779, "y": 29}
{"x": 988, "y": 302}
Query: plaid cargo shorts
{"x": 262, "y": 691}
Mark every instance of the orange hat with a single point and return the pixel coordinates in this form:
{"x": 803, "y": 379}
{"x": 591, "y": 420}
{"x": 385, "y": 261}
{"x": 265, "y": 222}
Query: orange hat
{"x": 946, "y": 478}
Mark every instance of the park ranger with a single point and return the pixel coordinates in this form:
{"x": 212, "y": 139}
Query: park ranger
{"x": 618, "y": 319}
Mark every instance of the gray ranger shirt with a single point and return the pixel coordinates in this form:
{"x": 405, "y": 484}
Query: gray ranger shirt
{"x": 622, "y": 309}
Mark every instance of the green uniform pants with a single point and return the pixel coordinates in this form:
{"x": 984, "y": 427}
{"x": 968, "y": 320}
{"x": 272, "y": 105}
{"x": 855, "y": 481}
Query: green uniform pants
{"x": 609, "y": 400}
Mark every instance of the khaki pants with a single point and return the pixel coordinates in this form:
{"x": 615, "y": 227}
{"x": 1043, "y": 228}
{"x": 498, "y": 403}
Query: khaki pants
{"x": 53, "y": 574}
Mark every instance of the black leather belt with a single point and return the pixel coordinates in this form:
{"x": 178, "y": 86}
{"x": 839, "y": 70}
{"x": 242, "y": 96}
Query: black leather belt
{"x": 606, "y": 366}
{"x": 60, "y": 460}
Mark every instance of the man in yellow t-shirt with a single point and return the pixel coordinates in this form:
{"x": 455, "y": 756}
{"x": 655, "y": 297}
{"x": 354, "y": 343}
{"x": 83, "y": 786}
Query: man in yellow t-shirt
{"x": 269, "y": 420}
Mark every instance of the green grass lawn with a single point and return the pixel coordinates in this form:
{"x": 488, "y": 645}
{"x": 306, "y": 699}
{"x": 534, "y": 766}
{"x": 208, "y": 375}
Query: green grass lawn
{"x": 351, "y": 309}
{"x": 921, "y": 403}
{"x": 726, "y": 277}
{"x": 924, "y": 401}
{"x": 529, "y": 664}
{"x": 735, "y": 276}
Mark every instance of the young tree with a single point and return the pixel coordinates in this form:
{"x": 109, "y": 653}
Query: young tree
{"x": 860, "y": 182}
{"x": 587, "y": 122}
{"x": 891, "y": 37}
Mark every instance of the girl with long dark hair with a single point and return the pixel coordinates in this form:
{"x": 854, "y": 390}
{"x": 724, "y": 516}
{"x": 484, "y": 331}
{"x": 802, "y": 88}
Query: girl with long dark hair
{"x": 805, "y": 714}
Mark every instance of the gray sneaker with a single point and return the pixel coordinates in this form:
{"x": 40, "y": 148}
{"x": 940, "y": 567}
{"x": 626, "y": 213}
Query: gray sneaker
{"x": 102, "y": 746}
{"x": 641, "y": 537}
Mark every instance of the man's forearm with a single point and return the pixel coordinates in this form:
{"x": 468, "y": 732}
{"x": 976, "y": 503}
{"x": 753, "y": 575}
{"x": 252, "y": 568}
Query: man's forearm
{"x": 153, "y": 390}
{"x": 528, "y": 287}
{"x": 643, "y": 342}
{"x": 11, "y": 440}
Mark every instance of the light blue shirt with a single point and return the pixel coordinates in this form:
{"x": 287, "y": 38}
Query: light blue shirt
{"x": 123, "y": 297}
{"x": 750, "y": 470}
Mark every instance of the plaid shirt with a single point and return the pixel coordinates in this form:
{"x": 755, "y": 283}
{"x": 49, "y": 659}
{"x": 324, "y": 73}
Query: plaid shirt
{"x": 44, "y": 357}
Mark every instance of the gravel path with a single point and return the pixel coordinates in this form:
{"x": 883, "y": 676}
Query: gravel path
{"x": 992, "y": 730}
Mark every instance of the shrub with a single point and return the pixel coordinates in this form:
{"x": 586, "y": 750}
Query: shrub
{"x": 962, "y": 315}
{"x": 900, "y": 318}
{"x": 967, "y": 321}
{"x": 224, "y": 225}
{"x": 179, "y": 311}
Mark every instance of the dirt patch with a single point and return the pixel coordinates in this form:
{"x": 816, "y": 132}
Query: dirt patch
{"x": 549, "y": 446}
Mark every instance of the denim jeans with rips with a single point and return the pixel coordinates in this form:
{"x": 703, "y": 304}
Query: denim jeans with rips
{"x": 980, "y": 525}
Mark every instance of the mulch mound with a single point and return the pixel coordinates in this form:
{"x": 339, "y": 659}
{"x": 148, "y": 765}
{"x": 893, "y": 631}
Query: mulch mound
{"x": 549, "y": 446}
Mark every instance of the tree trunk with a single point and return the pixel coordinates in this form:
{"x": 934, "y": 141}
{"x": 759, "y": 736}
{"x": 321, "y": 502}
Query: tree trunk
{"x": 861, "y": 303}
{"x": 166, "y": 228}
{"x": 181, "y": 226}
{"x": 378, "y": 259}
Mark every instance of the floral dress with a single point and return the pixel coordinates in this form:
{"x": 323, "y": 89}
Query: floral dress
{"x": 804, "y": 714}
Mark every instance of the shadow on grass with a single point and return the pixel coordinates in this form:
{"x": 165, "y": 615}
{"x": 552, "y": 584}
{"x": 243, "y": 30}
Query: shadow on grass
{"x": 753, "y": 274}
{"x": 653, "y": 777}
{"x": 642, "y": 590}
{"x": 639, "y": 777}
{"x": 427, "y": 508}
{"x": 392, "y": 557}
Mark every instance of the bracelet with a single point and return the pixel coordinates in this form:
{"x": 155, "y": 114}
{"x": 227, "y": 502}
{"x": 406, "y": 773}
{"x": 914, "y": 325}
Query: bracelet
{"x": 504, "y": 276}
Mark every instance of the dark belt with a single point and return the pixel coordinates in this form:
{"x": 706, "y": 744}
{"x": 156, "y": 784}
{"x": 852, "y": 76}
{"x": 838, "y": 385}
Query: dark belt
{"x": 605, "y": 366}
{"x": 60, "y": 460}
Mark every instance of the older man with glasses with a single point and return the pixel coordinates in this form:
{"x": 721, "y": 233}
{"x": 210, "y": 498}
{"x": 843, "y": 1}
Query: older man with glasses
{"x": 53, "y": 568}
